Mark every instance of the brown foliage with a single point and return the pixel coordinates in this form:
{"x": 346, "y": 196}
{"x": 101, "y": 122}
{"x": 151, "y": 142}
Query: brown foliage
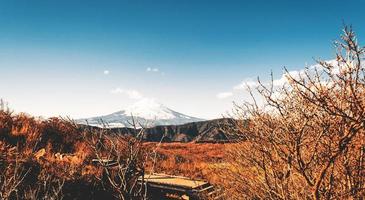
{"x": 194, "y": 160}
{"x": 125, "y": 155}
{"x": 51, "y": 159}
{"x": 307, "y": 141}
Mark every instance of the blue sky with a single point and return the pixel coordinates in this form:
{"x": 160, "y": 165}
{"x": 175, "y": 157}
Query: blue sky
{"x": 53, "y": 54}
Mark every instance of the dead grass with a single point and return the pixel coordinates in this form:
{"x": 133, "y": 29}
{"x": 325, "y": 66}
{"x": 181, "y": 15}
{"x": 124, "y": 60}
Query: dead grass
{"x": 53, "y": 155}
{"x": 48, "y": 159}
{"x": 194, "y": 160}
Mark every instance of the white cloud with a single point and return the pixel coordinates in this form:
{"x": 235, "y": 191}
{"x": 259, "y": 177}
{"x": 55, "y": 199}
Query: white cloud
{"x": 224, "y": 95}
{"x": 284, "y": 77}
{"x": 106, "y": 72}
{"x": 149, "y": 69}
{"x": 296, "y": 74}
{"x": 248, "y": 83}
{"x": 252, "y": 83}
{"x": 132, "y": 94}
{"x": 281, "y": 81}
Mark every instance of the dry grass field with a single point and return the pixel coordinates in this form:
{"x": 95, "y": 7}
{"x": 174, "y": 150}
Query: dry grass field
{"x": 194, "y": 160}
{"x": 53, "y": 158}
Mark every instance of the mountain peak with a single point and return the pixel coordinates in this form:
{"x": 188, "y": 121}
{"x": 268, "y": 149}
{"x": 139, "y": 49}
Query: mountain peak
{"x": 146, "y": 112}
{"x": 149, "y": 109}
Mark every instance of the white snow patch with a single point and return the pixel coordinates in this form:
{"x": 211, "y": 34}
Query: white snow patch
{"x": 149, "y": 109}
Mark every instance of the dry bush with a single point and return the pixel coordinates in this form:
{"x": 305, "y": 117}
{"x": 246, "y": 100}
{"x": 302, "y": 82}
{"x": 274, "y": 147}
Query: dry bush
{"x": 24, "y": 178}
{"x": 122, "y": 160}
{"x": 307, "y": 140}
{"x": 51, "y": 159}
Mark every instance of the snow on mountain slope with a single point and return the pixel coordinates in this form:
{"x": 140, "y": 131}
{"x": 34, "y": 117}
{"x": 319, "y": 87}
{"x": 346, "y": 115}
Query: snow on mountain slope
{"x": 149, "y": 109}
{"x": 146, "y": 113}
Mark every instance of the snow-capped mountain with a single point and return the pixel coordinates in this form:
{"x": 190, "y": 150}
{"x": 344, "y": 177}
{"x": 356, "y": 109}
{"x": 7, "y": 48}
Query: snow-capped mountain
{"x": 146, "y": 113}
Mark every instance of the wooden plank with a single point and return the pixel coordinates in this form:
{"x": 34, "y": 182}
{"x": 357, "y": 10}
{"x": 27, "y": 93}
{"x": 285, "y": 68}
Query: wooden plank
{"x": 176, "y": 181}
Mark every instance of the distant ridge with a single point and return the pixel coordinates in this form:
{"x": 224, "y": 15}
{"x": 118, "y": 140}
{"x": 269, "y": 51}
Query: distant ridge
{"x": 212, "y": 131}
{"x": 146, "y": 113}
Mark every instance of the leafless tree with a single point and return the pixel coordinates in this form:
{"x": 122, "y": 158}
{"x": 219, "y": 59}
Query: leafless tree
{"x": 122, "y": 159}
{"x": 307, "y": 140}
{"x": 47, "y": 187}
{"x": 11, "y": 177}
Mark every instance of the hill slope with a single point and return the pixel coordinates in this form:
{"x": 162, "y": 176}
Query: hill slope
{"x": 202, "y": 131}
{"x": 147, "y": 113}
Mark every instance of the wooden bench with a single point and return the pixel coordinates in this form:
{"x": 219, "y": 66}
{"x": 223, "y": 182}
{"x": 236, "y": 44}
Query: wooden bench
{"x": 161, "y": 185}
